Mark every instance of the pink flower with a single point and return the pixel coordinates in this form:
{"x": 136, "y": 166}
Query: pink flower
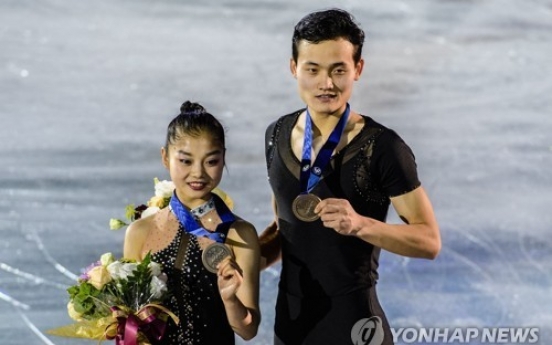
{"x": 84, "y": 276}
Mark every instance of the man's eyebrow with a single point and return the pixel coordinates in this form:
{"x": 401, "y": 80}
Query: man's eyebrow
{"x": 337, "y": 64}
{"x": 333, "y": 65}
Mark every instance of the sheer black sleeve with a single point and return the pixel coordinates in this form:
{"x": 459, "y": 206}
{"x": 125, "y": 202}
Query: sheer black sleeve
{"x": 395, "y": 165}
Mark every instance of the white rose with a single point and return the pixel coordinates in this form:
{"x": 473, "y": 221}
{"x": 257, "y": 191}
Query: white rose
{"x": 99, "y": 276}
{"x": 119, "y": 270}
{"x": 164, "y": 189}
{"x": 149, "y": 211}
{"x": 155, "y": 268}
{"x": 116, "y": 224}
{"x": 157, "y": 288}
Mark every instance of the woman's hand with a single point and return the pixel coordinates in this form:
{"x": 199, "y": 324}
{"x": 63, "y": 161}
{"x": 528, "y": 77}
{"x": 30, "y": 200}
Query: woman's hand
{"x": 230, "y": 278}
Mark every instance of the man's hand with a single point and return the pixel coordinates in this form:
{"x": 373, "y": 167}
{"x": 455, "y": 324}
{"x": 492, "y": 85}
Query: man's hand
{"x": 338, "y": 214}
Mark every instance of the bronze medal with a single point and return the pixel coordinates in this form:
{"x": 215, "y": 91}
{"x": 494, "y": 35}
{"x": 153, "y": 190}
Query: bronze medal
{"x": 303, "y": 207}
{"x": 213, "y": 255}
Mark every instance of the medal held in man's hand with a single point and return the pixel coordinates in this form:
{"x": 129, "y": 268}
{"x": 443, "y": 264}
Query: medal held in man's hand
{"x": 303, "y": 207}
{"x": 213, "y": 255}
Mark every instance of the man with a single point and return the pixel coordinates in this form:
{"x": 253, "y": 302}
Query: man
{"x": 334, "y": 173}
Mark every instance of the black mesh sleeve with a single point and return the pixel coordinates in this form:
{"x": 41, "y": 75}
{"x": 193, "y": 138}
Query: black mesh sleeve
{"x": 395, "y": 165}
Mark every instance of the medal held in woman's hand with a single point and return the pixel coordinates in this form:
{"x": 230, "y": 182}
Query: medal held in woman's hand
{"x": 213, "y": 255}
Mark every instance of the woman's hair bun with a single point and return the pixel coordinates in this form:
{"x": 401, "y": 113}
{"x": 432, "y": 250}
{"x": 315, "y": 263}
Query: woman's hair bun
{"x": 189, "y": 108}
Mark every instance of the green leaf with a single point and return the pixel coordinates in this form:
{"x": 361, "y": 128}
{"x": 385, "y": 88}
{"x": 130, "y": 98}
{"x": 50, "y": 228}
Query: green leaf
{"x": 130, "y": 211}
{"x": 73, "y": 290}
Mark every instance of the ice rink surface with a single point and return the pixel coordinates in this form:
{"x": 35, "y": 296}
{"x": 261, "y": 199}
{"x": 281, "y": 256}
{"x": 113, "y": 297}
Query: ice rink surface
{"x": 87, "y": 89}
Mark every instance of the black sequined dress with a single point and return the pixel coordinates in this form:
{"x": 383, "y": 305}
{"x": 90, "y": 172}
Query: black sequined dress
{"x": 200, "y": 308}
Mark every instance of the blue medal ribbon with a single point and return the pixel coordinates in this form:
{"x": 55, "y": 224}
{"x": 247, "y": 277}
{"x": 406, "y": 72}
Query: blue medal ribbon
{"x": 190, "y": 225}
{"x": 310, "y": 176}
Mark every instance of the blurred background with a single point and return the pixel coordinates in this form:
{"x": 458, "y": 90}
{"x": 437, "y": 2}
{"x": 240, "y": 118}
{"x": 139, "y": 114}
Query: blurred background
{"x": 88, "y": 88}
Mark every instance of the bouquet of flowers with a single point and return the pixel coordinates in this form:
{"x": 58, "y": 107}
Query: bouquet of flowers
{"x": 163, "y": 193}
{"x": 118, "y": 299}
{"x": 122, "y": 299}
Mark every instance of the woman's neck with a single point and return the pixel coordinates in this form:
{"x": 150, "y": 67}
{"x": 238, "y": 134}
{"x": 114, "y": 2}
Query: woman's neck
{"x": 192, "y": 203}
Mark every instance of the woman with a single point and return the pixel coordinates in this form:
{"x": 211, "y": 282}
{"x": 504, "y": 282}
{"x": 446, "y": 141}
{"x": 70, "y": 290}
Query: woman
{"x": 211, "y": 306}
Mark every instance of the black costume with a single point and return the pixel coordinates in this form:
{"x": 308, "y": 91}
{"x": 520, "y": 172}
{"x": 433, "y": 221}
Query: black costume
{"x": 327, "y": 281}
{"x": 196, "y": 299}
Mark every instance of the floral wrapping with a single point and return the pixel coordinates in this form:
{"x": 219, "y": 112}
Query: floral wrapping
{"x": 118, "y": 300}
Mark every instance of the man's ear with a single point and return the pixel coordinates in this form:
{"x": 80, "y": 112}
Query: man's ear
{"x": 359, "y": 68}
{"x": 293, "y": 67}
{"x": 165, "y": 157}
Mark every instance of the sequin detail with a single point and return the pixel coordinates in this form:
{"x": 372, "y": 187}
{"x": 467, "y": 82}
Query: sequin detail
{"x": 364, "y": 183}
{"x": 272, "y": 140}
{"x": 202, "y": 312}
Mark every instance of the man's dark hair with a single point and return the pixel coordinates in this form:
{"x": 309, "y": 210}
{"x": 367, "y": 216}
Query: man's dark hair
{"x": 328, "y": 25}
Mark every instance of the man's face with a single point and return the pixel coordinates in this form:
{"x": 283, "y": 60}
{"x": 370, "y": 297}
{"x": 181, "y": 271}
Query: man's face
{"x": 325, "y": 74}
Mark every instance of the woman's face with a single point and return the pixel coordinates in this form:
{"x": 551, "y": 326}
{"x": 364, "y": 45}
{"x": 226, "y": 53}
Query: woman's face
{"x": 195, "y": 164}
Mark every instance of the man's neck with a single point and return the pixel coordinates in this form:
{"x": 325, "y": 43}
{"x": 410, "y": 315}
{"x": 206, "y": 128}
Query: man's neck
{"x": 324, "y": 123}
